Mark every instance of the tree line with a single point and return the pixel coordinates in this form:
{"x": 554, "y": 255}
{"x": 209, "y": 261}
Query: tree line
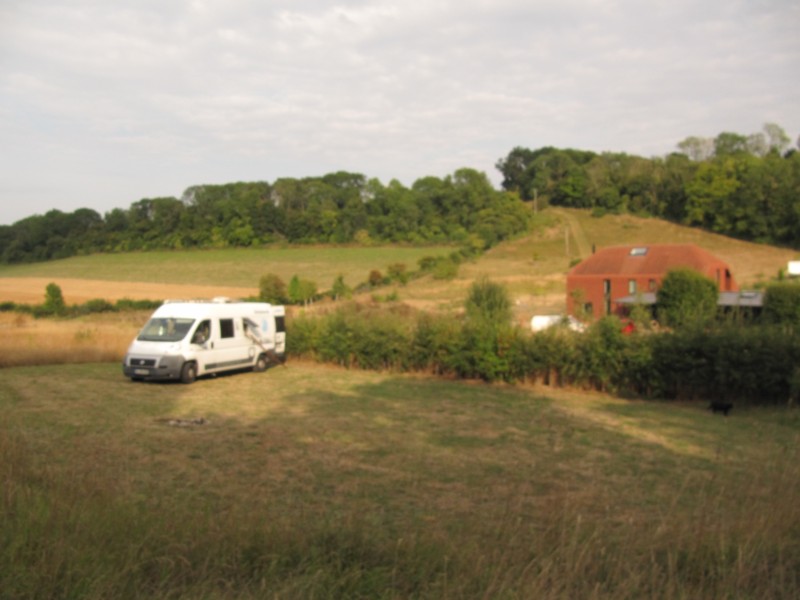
{"x": 743, "y": 186}
{"x": 341, "y": 207}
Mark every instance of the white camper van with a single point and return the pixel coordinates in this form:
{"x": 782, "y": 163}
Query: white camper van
{"x": 183, "y": 340}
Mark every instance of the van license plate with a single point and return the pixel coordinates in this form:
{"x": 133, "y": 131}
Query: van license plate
{"x": 141, "y": 372}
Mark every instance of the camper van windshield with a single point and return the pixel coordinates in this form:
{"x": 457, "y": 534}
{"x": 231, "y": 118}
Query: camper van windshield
{"x": 165, "y": 330}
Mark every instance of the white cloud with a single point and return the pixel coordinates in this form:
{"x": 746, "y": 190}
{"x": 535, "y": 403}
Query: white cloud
{"x": 149, "y": 98}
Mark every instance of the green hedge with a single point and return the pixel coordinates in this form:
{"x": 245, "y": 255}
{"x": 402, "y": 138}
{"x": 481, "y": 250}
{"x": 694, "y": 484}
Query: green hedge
{"x": 756, "y": 365}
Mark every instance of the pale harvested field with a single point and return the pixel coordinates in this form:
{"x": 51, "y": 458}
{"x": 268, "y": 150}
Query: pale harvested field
{"x": 31, "y": 290}
{"x": 95, "y": 338}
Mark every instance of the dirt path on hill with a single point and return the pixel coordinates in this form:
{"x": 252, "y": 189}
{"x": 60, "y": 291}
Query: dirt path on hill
{"x": 584, "y": 248}
{"x": 31, "y": 290}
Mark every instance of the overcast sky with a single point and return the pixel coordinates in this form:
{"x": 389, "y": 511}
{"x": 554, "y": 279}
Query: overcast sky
{"x": 104, "y": 103}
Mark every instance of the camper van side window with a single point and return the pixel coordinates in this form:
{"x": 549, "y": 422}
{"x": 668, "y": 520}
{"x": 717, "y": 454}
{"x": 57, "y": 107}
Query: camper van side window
{"x": 280, "y": 324}
{"x": 226, "y": 328}
{"x": 202, "y": 333}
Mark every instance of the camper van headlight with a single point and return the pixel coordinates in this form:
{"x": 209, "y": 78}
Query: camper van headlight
{"x": 170, "y": 361}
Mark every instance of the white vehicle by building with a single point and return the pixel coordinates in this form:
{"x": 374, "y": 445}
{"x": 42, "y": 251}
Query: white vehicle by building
{"x": 542, "y": 322}
{"x": 186, "y": 339}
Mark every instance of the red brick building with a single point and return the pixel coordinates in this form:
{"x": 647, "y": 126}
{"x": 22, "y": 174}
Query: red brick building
{"x": 613, "y": 274}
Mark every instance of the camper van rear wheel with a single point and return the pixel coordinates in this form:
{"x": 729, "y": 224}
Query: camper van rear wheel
{"x": 188, "y": 372}
{"x": 261, "y": 364}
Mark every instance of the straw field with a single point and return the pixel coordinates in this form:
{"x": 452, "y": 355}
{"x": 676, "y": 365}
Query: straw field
{"x": 99, "y": 338}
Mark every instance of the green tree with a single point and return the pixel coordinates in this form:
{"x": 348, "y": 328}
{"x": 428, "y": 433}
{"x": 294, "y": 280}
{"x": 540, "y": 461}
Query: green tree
{"x": 697, "y": 148}
{"x": 706, "y": 195}
{"x": 271, "y": 288}
{"x": 340, "y": 289}
{"x": 488, "y": 302}
{"x": 54, "y": 299}
{"x": 727, "y": 143}
{"x": 686, "y": 297}
{"x": 301, "y": 291}
{"x": 777, "y": 139}
{"x": 782, "y": 304}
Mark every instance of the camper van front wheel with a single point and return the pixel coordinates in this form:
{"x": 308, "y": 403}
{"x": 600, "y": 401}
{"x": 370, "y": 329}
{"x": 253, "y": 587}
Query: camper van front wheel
{"x": 189, "y": 372}
{"x": 261, "y": 364}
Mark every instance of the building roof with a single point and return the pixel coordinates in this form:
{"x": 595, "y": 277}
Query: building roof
{"x": 652, "y": 259}
{"x": 750, "y": 299}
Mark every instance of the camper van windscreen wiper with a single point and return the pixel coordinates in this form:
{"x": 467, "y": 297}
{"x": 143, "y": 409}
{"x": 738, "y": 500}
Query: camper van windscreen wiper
{"x": 165, "y": 330}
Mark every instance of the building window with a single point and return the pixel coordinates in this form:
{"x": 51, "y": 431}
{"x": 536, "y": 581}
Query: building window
{"x": 606, "y": 287}
{"x": 588, "y": 309}
{"x": 651, "y": 285}
{"x": 632, "y": 287}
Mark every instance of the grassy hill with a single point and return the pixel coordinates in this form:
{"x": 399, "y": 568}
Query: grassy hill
{"x": 533, "y": 267}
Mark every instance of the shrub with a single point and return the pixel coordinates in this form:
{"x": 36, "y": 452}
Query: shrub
{"x": 375, "y": 278}
{"x": 301, "y": 291}
{"x": 96, "y": 305}
{"x": 750, "y": 364}
{"x": 477, "y": 355}
{"x": 303, "y": 335}
{"x": 446, "y": 268}
{"x": 782, "y": 304}
{"x": 686, "y": 298}
{"x": 53, "y": 300}
{"x": 272, "y": 289}
{"x": 354, "y": 337}
{"x": 434, "y": 341}
{"x": 397, "y": 272}
{"x": 380, "y": 343}
{"x": 128, "y": 304}
{"x": 427, "y": 263}
{"x": 600, "y": 354}
{"x": 340, "y": 290}
{"x": 488, "y": 301}
{"x": 335, "y": 342}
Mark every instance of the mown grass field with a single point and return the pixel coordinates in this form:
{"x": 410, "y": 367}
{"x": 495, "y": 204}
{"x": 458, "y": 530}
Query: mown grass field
{"x": 313, "y": 482}
{"x": 236, "y": 267}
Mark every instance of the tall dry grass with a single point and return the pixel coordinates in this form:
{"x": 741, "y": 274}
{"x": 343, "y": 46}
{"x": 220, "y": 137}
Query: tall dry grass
{"x": 25, "y": 341}
{"x": 313, "y": 482}
{"x": 77, "y": 532}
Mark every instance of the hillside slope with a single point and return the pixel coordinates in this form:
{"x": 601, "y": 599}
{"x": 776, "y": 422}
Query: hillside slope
{"x": 533, "y": 267}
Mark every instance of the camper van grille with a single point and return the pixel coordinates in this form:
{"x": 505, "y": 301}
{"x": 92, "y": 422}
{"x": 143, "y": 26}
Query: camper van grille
{"x": 142, "y": 362}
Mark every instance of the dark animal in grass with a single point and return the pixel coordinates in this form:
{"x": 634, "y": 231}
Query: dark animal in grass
{"x": 717, "y": 406}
